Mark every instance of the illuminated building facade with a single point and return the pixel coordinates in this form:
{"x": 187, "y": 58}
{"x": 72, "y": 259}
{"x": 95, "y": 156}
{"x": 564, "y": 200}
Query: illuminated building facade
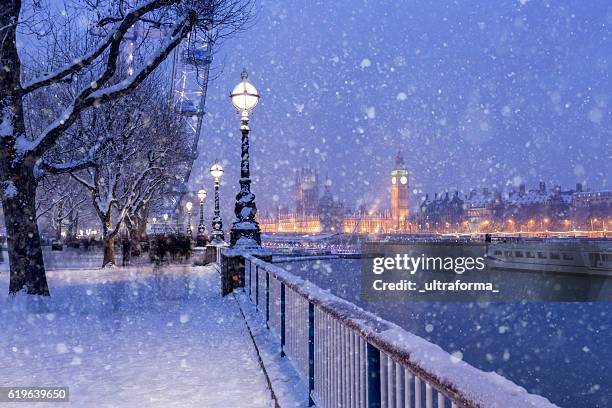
{"x": 400, "y": 188}
{"x": 307, "y": 191}
{"x": 314, "y": 214}
{"x": 518, "y": 210}
{"x": 593, "y": 208}
{"x": 372, "y": 223}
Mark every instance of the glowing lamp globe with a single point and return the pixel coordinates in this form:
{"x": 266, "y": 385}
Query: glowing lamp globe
{"x": 202, "y": 195}
{"x": 188, "y": 205}
{"x": 165, "y": 217}
{"x": 244, "y": 96}
{"x": 216, "y": 171}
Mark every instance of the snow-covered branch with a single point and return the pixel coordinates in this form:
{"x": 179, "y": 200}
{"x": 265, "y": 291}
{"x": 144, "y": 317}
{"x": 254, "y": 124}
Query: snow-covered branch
{"x": 44, "y": 167}
{"x": 88, "y": 185}
{"x": 113, "y": 37}
{"x": 89, "y": 96}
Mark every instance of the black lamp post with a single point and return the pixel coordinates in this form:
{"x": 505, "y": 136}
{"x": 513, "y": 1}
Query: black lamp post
{"x": 189, "y": 205}
{"x": 201, "y": 238}
{"x": 245, "y": 232}
{"x": 217, "y": 223}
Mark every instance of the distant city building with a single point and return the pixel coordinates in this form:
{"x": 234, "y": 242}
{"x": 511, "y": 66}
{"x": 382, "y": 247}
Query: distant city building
{"x": 588, "y": 206}
{"x": 331, "y": 211}
{"x": 517, "y": 210}
{"x": 443, "y": 210}
{"x": 539, "y": 204}
{"x": 484, "y": 210}
{"x": 400, "y": 189}
{"x": 326, "y": 213}
{"x": 307, "y": 191}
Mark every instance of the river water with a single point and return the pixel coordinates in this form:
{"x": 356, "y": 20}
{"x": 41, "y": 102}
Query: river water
{"x": 561, "y": 350}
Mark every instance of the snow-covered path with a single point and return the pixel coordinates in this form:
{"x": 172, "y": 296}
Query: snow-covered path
{"x": 134, "y": 338}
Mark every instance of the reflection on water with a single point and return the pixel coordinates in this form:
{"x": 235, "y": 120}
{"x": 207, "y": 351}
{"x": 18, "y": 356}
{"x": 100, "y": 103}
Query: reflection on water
{"x": 559, "y": 350}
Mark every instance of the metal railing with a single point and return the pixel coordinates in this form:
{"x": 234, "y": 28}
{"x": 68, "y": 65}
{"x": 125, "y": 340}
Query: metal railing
{"x": 351, "y": 358}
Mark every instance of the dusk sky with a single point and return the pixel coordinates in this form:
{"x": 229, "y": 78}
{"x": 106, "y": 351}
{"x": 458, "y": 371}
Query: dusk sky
{"x": 475, "y": 93}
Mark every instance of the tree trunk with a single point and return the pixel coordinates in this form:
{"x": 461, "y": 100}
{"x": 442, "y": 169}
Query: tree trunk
{"x": 139, "y": 233}
{"x": 109, "y": 251}
{"x": 17, "y": 177}
{"x": 58, "y": 229}
{"x": 27, "y": 267}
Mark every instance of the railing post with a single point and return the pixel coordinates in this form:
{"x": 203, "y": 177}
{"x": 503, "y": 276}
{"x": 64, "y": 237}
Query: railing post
{"x": 373, "y": 376}
{"x": 246, "y": 262}
{"x": 256, "y": 287}
{"x": 250, "y": 281}
{"x": 311, "y": 348}
{"x": 267, "y": 299}
{"x": 282, "y": 319}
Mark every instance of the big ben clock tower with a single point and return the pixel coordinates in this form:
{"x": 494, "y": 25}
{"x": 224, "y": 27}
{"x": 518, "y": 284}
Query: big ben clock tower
{"x": 400, "y": 187}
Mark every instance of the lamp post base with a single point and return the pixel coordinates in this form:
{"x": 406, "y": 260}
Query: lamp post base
{"x": 245, "y": 236}
{"x": 217, "y": 237}
{"x": 201, "y": 240}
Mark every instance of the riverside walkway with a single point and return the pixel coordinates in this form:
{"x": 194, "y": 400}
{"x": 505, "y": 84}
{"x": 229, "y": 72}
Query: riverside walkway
{"x": 131, "y": 337}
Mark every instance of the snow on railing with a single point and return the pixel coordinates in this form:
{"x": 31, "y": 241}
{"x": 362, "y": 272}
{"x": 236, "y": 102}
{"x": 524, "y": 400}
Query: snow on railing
{"x": 349, "y": 357}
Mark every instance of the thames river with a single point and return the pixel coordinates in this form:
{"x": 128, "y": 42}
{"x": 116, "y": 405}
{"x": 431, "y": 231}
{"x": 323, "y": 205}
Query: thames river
{"x": 562, "y": 351}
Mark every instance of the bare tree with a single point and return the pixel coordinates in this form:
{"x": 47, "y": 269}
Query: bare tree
{"x": 23, "y": 156}
{"x": 147, "y": 144}
{"x": 61, "y": 200}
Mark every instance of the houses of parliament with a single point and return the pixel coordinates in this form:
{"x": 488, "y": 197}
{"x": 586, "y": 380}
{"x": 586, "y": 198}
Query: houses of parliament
{"x": 318, "y": 211}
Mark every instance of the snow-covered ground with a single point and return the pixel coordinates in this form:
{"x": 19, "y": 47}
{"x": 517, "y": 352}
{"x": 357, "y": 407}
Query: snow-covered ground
{"x": 131, "y": 337}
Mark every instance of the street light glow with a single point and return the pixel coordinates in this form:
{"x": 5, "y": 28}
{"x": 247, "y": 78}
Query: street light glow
{"x": 216, "y": 171}
{"x": 202, "y": 195}
{"x": 244, "y": 96}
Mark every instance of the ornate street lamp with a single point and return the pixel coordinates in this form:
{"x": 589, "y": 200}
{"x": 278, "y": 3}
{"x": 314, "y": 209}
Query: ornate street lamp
{"x": 189, "y": 205}
{"x": 217, "y": 224}
{"x": 165, "y": 223}
{"x": 245, "y": 230}
{"x": 201, "y": 238}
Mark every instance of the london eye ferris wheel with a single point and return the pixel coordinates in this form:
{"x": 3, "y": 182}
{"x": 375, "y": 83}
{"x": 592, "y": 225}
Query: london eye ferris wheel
{"x": 188, "y": 71}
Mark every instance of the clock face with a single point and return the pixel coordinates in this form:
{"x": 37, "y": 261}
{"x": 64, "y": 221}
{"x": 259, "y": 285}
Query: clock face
{"x": 404, "y": 180}
{"x": 393, "y": 180}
